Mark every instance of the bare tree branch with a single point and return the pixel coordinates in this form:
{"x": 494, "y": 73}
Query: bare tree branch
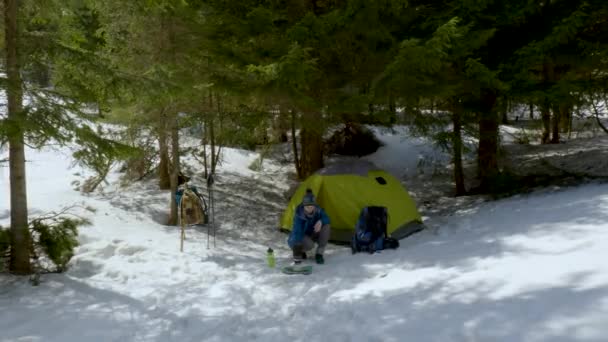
{"x": 65, "y": 211}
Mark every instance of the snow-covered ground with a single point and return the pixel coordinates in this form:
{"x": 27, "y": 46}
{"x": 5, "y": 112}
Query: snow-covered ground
{"x": 404, "y": 156}
{"x": 528, "y": 268}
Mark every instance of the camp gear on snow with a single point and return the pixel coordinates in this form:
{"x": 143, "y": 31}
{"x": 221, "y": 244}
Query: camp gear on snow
{"x": 371, "y": 224}
{"x": 391, "y": 243}
{"x": 270, "y": 257}
{"x": 297, "y": 269}
{"x": 345, "y": 188}
{"x": 210, "y": 182}
{"x": 370, "y": 231}
{"x": 193, "y": 208}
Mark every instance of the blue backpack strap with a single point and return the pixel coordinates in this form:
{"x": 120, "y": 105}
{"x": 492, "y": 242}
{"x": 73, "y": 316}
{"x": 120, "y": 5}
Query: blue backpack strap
{"x": 361, "y": 232}
{"x": 178, "y": 195}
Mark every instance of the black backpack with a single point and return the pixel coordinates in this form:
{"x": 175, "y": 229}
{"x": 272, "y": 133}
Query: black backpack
{"x": 376, "y": 219}
{"x": 374, "y": 230}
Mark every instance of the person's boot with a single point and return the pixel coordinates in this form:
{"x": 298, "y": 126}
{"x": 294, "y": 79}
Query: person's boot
{"x": 319, "y": 259}
{"x": 297, "y": 263}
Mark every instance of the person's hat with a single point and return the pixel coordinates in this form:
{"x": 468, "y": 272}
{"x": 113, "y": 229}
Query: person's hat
{"x": 309, "y": 198}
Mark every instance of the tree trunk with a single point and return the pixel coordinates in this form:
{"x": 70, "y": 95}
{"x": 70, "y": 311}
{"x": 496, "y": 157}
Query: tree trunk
{"x": 566, "y": 118}
{"x": 545, "y": 112}
{"x": 312, "y": 143}
{"x": 487, "y": 158}
{"x": 548, "y": 77}
{"x": 20, "y": 237}
{"x": 599, "y": 123}
{"x": 217, "y": 140}
{"x": 504, "y": 109}
{"x": 555, "y": 124}
{"x": 294, "y": 145}
{"x": 457, "y": 149}
{"x": 392, "y": 108}
{"x": 212, "y": 142}
{"x": 174, "y": 167}
{"x": 205, "y": 142}
{"x": 164, "y": 181}
{"x": 597, "y": 117}
{"x": 212, "y": 134}
{"x": 281, "y": 123}
{"x": 531, "y": 111}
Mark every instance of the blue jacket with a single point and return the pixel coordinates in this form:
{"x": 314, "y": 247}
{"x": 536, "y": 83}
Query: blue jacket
{"x": 304, "y": 225}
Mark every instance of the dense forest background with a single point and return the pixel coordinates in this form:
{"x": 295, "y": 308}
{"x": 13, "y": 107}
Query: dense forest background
{"x": 255, "y": 73}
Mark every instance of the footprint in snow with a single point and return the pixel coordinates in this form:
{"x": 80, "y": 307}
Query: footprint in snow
{"x": 107, "y": 252}
{"x": 131, "y": 250}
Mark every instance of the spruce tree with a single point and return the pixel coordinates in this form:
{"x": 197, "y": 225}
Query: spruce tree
{"x": 34, "y": 37}
{"x": 318, "y": 59}
{"x": 560, "y": 61}
{"x": 20, "y": 237}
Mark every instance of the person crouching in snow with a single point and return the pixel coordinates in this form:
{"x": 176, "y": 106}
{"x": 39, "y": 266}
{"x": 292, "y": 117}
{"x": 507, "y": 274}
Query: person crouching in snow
{"x": 310, "y": 225}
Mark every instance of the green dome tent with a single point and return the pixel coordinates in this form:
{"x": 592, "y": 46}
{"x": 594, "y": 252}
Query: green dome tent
{"x": 345, "y": 188}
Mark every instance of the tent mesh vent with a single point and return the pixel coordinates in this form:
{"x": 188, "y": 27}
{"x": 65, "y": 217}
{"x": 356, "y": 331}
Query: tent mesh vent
{"x": 381, "y": 180}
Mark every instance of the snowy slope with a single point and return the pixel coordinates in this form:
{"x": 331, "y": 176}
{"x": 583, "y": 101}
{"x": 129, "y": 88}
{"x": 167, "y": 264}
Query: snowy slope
{"x": 405, "y": 156}
{"x": 528, "y": 268}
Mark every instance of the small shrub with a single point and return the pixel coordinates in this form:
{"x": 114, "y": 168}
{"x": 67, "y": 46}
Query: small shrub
{"x": 54, "y": 239}
{"x": 522, "y": 139}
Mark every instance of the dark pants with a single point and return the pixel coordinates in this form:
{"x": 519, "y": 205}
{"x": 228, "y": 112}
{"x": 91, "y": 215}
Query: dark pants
{"x": 309, "y": 241}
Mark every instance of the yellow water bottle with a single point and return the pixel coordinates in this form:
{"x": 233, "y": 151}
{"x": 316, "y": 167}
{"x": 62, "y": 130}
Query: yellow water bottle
{"x": 270, "y": 258}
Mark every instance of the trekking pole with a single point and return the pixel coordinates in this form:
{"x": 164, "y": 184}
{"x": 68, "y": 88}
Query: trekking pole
{"x": 210, "y": 193}
{"x": 213, "y": 220}
{"x": 182, "y": 236}
{"x": 180, "y": 219}
{"x": 210, "y": 182}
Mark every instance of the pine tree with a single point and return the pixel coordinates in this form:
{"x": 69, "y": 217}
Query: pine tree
{"x": 33, "y": 39}
{"x": 501, "y": 39}
{"x": 151, "y": 42}
{"x": 559, "y": 63}
{"x": 20, "y": 237}
{"x": 318, "y": 59}
{"x": 435, "y": 70}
